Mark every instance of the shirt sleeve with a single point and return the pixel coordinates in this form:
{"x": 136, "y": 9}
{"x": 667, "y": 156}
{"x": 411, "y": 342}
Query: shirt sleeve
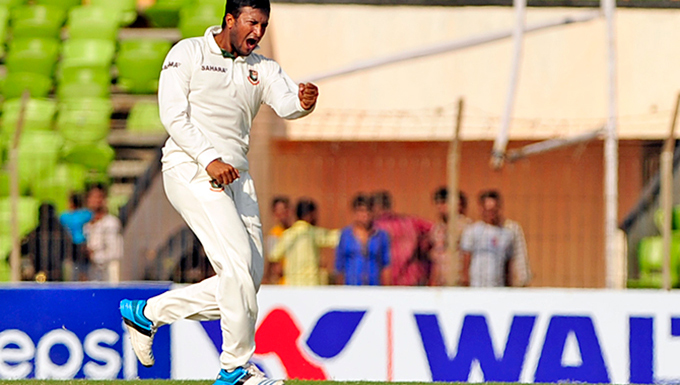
{"x": 341, "y": 253}
{"x": 281, "y": 94}
{"x": 326, "y": 238}
{"x": 467, "y": 240}
{"x": 385, "y": 247}
{"x": 286, "y": 240}
{"x": 173, "y": 101}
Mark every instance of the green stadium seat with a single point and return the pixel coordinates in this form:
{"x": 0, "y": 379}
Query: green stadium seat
{"x": 28, "y": 215}
{"x": 145, "y": 118}
{"x": 14, "y": 85}
{"x": 139, "y": 64}
{"x": 78, "y": 83}
{"x": 95, "y": 157}
{"x": 38, "y": 153}
{"x": 86, "y": 120}
{"x": 196, "y": 18}
{"x": 4, "y": 183}
{"x": 88, "y": 53}
{"x": 165, "y": 13}
{"x": 4, "y": 23}
{"x": 37, "y": 21}
{"x": 66, "y": 5}
{"x": 11, "y": 4}
{"x": 57, "y": 187}
{"x": 88, "y": 22}
{"x": 36, "y": 55}
{"x": 650, "y": 261}
{"x": 39, "y": 115}
{"x": 127, "y": 9}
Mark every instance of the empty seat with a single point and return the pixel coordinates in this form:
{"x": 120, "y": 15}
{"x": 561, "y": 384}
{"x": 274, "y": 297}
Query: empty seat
{"x": 145, "y": 118}
{"x": 196, "y": 18}
{"x": 126, "y": 9}
{"x": 57, "y": 187}
{"x": 88, "y": 53}
{"x": 4, "y": 22}
{"x": 86, "y": 120}
{"x": 89, "y": 22}
{"x": 13, "y": 3}
{"x": 28, "y": 215}
{"x": 66, "y": 5}
{"x": 95, "y": 157}
{"x": 15, "y": 84}
{"x": 139, "y": 64}
{"x": 36, "y": 55}
{"x": 165, "y": 13}
{"x": 83, "y": 82}
{"x": 38, "y": 155}
{"x": 650, "y": 261}
{"x": 37, "y": 21}
{"x": 39, "y": 115}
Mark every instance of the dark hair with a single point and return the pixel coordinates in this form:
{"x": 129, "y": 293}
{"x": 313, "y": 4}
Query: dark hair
{"x": 234, "y": 8}
{"x": 280, "y": 199}
{"x": 442, "y": 194}
{"x": 492, "y": 194}
{"x": 98, "y": 186}
{"x": 362, "y": 200}
{"x": 76, "y": 200}
{"x": 383, "y": 199}
{"x": 304, "y": 206}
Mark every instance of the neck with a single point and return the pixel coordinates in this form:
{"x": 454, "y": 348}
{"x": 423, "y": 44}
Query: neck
{"x": 223, "y": 41}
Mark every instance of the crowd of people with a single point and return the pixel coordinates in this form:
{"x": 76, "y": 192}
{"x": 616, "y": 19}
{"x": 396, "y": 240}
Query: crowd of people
{"x": 382, "y": 247}
{"x": 82, "y": 244}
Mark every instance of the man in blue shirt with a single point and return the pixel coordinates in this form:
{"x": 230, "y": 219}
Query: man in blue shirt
{"x": 363, "y": 254}
{"x": 74, "y": 220}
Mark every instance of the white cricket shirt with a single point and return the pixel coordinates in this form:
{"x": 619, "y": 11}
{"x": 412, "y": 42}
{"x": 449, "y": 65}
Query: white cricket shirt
{"x": 208, "y": 102}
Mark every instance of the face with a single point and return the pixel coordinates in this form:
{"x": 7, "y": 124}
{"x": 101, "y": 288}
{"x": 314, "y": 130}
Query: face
{"x": 246, "y": 32}
{"x": 490, "y": 211}
{"x": 363, "y": 216}
{"x": 96, "y": 199}
{"x": 281, "y": 212}
{"x": 442, "y": 208}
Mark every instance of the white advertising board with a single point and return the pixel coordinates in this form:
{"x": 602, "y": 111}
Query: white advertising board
{"x": 452, "y": 334}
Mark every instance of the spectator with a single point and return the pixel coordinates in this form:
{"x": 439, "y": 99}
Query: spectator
{"x": 444, "y": 259}
{"x": 104, "y": 240}
{"x": 409, "y": 242}
{"x": 299, "y": 248}
{"x": 74, "y": 219}
{"x": 487, "y": 247}
{"x": 283, "y": 217}
{"x": 363, "y": 254}
{"x": 521, "y": 272}
{"x": 46, "y": 247}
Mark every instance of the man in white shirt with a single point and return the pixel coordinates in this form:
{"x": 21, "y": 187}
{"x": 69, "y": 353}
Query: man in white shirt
{"x": 487, "y": 247}
{"x": 210, "y": 90}
{"x": 104, "y": 239}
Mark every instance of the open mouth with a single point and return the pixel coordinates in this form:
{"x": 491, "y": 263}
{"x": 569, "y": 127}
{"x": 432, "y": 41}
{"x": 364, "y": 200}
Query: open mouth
{"x": 252, "y": 43}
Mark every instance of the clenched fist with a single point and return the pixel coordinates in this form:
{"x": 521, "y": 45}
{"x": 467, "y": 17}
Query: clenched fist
{"x": 222, "y": 173}
{"x": 308, "y": 94}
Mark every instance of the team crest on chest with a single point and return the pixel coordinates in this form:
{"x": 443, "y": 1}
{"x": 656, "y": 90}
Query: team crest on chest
{"x": 253, "y": 77}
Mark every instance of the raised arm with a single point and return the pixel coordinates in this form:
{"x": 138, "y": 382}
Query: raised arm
{"x": 289, "y": 100}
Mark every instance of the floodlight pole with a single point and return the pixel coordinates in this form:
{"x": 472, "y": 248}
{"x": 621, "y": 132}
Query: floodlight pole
{"x": 453, "y": 165}
{"x": 611, "y": 156}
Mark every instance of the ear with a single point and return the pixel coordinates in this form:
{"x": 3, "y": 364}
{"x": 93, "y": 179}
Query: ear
{"x": 231, "y": 21}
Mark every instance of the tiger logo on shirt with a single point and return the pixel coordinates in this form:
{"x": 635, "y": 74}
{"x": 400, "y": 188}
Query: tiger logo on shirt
{"x": 253, "y": 77}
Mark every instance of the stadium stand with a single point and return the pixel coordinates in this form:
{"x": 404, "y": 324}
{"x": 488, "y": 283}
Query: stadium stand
{"x": 92, "y": 22}
{"x": 165, "y": 13}
{"x": 138, "y": 63}
{"x": 84, "y": 120}
{"x": 195, "y": 18}
{"x": 35, "y": 55}
{"x": 127, "y": 9}
{"x": 37, "y": 21}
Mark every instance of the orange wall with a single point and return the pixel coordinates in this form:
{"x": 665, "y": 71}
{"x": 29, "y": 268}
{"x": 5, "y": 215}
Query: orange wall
{"x": 556, "y": 197}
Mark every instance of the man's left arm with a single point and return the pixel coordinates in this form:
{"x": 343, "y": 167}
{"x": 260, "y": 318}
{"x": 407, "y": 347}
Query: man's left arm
{"x": 288, "y": 99}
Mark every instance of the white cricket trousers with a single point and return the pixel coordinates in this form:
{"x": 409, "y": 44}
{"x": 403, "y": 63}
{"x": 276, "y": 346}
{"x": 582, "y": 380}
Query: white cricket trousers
{"x": 227, "y": 223}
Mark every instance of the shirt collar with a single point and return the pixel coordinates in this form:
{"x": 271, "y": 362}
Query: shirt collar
{"x": 216, "y": 49}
